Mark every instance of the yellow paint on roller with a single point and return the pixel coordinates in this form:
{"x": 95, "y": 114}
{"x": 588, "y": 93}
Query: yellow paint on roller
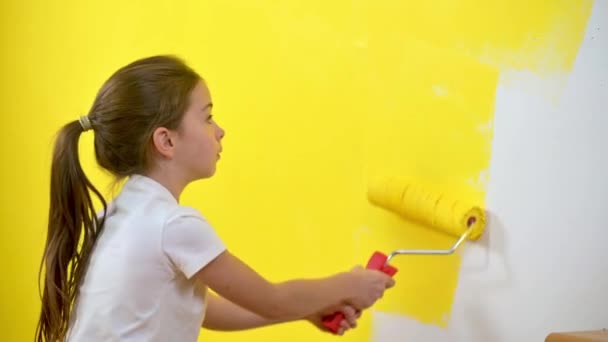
{"x": 315, "y": 97}
{"x": 438, "y": 211}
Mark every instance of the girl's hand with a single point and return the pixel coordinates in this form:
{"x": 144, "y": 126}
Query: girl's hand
{"x": 349, "y": 322}
{"x": 367, "y": 287}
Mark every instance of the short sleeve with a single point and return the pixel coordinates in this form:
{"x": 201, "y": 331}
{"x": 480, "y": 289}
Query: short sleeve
{"x": 190, "y": 242}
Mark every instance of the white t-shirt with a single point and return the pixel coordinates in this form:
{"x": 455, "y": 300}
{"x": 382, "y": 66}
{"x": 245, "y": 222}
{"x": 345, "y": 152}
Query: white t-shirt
{"x": 139, "y": 285}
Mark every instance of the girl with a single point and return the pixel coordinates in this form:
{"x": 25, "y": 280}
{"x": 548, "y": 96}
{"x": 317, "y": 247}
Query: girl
{"x": 140, "y": 270}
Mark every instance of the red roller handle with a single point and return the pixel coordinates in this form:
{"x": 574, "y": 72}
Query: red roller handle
{"x": 376, "y": 262}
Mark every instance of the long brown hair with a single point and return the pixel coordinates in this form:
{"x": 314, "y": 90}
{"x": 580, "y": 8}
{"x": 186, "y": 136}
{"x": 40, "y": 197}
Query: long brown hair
{"x": 141, "y": 96}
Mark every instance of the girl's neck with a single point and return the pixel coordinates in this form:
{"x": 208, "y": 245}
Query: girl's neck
{"x": 169, "y": 180}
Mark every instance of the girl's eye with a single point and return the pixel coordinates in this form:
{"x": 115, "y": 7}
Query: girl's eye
{"x": 210, "y": 118}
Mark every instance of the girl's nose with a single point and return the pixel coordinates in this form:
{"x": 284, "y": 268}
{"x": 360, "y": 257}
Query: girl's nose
{"x": 221, "y": 133}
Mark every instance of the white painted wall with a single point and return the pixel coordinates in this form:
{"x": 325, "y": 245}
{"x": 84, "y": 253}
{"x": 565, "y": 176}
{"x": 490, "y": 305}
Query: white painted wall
{"x": 543, "y": 263}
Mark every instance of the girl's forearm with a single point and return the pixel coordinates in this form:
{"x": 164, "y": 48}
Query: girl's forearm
{"x": 223, "y": 315}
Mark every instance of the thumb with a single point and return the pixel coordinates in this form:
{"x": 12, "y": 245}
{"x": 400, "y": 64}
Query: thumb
{"x": 390, "y": 282}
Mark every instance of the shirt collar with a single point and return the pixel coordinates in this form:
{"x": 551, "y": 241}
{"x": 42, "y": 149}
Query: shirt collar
{"x": 143, "y": 184}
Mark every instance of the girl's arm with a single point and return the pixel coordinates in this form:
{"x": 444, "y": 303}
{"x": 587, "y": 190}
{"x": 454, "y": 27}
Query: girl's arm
{"x": 232, "y": 279}
{"x": 223, "y": 315}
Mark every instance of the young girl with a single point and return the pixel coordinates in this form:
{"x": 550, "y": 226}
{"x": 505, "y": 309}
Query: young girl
{"x": 140, "y": 270}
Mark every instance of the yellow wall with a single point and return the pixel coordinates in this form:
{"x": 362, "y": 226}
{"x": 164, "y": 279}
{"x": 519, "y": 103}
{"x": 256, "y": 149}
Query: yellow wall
{"x": 315, "y": 96}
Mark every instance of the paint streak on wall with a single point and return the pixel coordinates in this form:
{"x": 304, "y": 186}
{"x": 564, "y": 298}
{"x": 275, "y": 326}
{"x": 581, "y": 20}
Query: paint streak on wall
{"x": 435, "y": 131}
{"x": 315, "y": 96}
{"x": 541, "y": 36}
{"x": 434, "y": 123}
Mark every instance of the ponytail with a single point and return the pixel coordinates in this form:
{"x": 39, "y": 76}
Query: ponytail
{"x": 73, "y": 228}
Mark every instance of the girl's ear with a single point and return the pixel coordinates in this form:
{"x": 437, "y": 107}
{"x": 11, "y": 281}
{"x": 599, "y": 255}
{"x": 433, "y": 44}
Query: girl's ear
{"x": 163, "y": 143}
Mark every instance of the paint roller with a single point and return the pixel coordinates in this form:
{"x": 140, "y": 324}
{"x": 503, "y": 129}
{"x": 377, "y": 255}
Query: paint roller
{"x": 413, "y": 202}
